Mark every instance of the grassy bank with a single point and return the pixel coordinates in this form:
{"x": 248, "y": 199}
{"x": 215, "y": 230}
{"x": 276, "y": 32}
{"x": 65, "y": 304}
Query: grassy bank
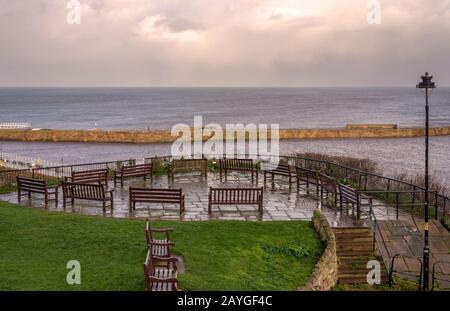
{"x": 218, "y": 255}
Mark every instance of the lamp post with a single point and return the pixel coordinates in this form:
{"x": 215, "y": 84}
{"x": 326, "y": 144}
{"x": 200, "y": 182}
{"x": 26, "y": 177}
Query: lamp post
{"x": 426, "y": 84}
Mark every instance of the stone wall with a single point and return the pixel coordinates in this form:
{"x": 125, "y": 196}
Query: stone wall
{"x": 164, "y": 136}
{"x": 325, "y": 273}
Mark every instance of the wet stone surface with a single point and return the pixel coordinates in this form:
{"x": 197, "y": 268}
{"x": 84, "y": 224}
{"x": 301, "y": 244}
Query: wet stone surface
{"x": 281, "y": 203}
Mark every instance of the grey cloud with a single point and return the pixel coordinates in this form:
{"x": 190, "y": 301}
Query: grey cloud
{"x": 236, "y": 44}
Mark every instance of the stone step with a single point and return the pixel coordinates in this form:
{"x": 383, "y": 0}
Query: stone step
{"x": 355, "y": 243}
{"x": 359, "y": 270}
{"x": 356, "y": 254}
{"x": 357, "y": 279}
{"x": 361, "y": 238}
{"x": 352, "y": 259}
{"x": 350, "y": 230}
{"x": 352, "y": 235}
{"x": 354, "y": 247}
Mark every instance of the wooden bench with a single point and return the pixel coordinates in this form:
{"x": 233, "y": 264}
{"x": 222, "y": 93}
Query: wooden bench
{"x": 155, "y": 195}
{"x": 99, "y": 176}
{"x": 236, "y": 196}
{"x": 160, "y": 278}
{"x": 90, "y": 192}
{"x": 36, "y": 186}
{"x": 140, "y": 170}
{"x": 305, "y": 178}
{"x": 352, "y": 197}
{"x": 239, "y": 165}
{"x": 279, "y": 170}
{"x": 188, "y": 165}
{"x": 160, "y": 248}
{"x": 328, "y": 188}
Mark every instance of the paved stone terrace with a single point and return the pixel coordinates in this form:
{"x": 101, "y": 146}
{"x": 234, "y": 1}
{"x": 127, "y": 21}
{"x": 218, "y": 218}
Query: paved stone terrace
{"x": 281, "y": 203}
{"x": 405, "y": 237}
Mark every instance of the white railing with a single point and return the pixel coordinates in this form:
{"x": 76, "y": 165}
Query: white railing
{"x": 14, "y": 125}
{"x": 19, "y": 162}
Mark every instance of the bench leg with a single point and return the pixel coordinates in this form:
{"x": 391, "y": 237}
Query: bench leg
{"x": 18, "y": 196}
{"x": 104, "y": 205}
{"x": 46, "y": 198}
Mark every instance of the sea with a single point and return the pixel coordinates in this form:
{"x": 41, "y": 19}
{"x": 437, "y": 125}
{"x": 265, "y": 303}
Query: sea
{"x": 162, "y": 108}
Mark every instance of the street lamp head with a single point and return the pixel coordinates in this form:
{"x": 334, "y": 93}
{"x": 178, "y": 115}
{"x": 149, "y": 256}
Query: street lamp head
{"x": 426, "y": 82}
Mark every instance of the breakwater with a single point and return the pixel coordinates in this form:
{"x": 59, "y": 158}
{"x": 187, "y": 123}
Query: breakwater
{"x": 164, "y": 136}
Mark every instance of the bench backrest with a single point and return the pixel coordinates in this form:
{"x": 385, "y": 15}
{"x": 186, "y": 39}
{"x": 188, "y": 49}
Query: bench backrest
{"x": 83, "y": 191}
{"x": 236, "y": 195}
{"x": 132, "y": 170}
{"x": 189, "y": 165}
{"x": 91, "y": 176}
{"x": 237, "y": 164}
{"x": 156, "y": 195}
{"x": 279, "y": 169}
{"x": 348, "y": 194}
{"x": 328, "y": 183}
{"x": 306, "y": 174}
{"x": 33, "y": 185}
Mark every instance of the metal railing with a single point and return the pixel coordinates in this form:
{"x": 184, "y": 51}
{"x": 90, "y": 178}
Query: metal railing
{"x": 437, "y": 276}
{"x": 411, "y": 274}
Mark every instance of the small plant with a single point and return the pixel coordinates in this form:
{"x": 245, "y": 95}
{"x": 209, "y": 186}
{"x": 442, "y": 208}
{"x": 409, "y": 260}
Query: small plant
{"x": 160, "y": 167}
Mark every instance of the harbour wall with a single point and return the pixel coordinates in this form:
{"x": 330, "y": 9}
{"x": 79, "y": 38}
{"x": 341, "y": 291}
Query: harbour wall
{"x": 164, "y": 136}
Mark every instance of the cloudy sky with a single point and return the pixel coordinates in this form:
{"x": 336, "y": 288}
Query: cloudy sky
{"x": 223, "y": 43}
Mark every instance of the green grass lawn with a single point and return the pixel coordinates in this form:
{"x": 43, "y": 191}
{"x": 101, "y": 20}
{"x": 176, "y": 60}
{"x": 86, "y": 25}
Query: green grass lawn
{"x": 219, "y": 255}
